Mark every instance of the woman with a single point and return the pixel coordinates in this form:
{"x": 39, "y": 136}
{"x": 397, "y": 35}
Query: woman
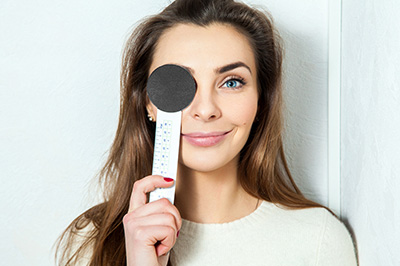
{"x": 236, "y": 202}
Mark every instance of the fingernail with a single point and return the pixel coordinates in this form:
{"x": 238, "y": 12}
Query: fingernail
{"x": 168, "y": 179}
{"x": 177, "y": 234}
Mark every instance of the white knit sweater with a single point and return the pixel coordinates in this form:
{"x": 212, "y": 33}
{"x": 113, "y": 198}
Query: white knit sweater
{"x": 269, "y": 236}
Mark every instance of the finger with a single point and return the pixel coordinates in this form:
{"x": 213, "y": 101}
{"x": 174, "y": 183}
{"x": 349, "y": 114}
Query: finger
{"x": 163, "y": 246}
{"x": 161, "y": 206}
{"x": 164, "y": 219}
{"x": 161, "y": 237}
{"x": 146, "y": 185}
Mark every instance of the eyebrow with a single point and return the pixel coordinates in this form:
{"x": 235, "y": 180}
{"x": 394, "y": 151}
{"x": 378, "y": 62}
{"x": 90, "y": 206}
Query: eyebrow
{"x": 223, "y": 69}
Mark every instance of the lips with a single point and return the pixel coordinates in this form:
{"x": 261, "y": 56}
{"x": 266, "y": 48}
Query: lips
{"x": 205, "y": 139}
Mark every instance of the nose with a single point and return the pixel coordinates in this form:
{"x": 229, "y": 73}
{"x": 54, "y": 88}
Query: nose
{"x": 204, "y": 106}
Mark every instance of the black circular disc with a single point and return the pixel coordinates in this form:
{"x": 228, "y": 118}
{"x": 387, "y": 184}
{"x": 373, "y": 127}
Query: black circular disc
{"x": 171, "y": 88}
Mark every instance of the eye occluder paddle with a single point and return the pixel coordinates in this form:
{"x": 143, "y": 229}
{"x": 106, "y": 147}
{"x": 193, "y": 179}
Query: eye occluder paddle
{"x": 171, "y": 88}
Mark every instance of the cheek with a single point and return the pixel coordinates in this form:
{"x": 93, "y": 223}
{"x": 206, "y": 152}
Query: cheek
{"x": 244, "y": 112}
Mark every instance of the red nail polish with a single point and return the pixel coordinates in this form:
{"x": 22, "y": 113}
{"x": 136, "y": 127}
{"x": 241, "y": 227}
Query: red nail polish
{"x": 168, "y": 179}
{"x": 177, "y": 234}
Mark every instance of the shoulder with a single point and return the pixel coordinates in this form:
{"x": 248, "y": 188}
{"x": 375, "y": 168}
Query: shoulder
{"x": 305, "y": 219}
{"x": 329, "y": 238}
{"x": 336, "y": 246}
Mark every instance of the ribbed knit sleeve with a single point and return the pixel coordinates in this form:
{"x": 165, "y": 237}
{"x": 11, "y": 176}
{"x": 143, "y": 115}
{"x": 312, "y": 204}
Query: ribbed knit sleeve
{"x": 336, "y": 247}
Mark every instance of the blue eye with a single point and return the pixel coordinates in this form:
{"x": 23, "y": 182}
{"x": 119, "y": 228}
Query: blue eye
{"x": 234, "y": 83}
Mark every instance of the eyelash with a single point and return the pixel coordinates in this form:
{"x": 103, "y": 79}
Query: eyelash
{"x": 237, "y": 79}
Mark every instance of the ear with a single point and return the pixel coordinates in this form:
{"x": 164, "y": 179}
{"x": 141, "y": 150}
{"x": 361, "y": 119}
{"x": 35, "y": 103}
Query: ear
{"x": 151, "y": 109}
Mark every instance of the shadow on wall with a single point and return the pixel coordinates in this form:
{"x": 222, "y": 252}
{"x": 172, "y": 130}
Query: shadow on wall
{"x": 305, "y": 92}
{"x": 353, "y": 236}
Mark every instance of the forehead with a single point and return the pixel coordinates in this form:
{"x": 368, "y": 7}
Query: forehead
{"x": 198, "y": 46}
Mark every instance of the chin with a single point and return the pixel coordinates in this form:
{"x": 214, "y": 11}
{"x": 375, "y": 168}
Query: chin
{"x": 206, "y": 163}
{"x": 200, "y": 167}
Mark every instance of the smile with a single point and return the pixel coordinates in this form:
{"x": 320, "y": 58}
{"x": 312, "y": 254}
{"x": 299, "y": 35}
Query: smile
{"x": 208, "y": 139}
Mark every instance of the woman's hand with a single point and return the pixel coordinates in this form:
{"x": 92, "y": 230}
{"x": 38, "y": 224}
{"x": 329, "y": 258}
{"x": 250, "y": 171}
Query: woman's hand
{"x": 150, "y": 228}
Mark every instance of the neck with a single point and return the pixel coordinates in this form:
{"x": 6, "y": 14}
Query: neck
{"x": 212, "y": 197}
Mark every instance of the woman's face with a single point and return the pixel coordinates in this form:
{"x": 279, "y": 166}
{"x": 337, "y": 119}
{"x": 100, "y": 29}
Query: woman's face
{"x": 216, "y": 125}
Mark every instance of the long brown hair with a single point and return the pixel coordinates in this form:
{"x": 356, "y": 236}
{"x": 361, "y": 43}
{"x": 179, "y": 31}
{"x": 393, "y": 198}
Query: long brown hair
{"x": 263, "y": 169}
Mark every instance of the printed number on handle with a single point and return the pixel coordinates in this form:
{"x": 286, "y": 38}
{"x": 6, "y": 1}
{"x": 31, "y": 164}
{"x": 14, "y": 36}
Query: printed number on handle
{"x": 166, "y": 150}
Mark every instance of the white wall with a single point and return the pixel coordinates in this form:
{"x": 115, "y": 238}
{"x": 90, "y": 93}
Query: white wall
{"x": 371, "y": 128}
{"x": 59, "y": 103}
{"x": 304, "y": 28}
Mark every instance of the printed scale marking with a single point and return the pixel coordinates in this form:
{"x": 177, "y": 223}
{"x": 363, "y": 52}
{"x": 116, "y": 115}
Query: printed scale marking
{"x": 166, "y": 150}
